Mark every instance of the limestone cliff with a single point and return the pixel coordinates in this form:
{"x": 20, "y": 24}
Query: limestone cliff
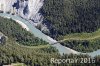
{"x": 28, "y": 9}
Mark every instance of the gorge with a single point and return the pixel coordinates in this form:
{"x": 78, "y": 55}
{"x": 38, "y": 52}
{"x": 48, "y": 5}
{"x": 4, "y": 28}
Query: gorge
{"x": 28, "y": 9}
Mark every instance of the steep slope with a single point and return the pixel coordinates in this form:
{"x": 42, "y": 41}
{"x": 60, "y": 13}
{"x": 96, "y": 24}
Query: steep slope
{"x": 13, "y": 30}
{"x": 12, "y": 52}
{"x": 28, "y": 9}
{"x": 74, "y": 22}
{"x": 71, "y": 16}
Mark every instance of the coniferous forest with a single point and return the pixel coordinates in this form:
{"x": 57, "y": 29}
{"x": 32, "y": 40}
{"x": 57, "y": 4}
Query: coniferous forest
{"x": 12, "y": 29}
{"x": 14, "y": 51}
{"x": 64, "y": 17}
{"x": 71, "y": 16}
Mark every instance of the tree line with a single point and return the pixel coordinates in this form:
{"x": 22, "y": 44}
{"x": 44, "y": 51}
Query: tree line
{"x": 12, "y": 29}
{"x": 83, "y": 45}
{"x": 71, "y": 16}
{"x": 13, "y": 53}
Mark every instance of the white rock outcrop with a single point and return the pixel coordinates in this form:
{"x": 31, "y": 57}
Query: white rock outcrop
{"x": 28, "y": 9}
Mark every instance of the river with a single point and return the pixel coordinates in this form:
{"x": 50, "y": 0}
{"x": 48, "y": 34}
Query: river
{"x": 39, "y": 34}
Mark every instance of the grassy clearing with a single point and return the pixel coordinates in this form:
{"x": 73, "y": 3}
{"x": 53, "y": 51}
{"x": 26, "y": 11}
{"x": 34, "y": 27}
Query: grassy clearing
{"x": 82, "y": 36}
{"x": 82, "y": 42}
{"x": 35, "y": 47}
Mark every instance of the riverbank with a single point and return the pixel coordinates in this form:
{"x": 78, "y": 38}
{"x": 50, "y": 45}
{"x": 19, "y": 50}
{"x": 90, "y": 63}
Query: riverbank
{"x": 19, "y": 22}
{"x": 22, "y": 24}
{"x": 39, "y": 34}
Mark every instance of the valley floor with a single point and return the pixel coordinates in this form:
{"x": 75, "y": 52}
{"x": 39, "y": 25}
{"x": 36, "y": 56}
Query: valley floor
{"x": 61, "y": 49}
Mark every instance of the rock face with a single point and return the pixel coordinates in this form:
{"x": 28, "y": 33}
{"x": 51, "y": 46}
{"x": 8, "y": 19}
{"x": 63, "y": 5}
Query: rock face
{"x": 28, "y": 9}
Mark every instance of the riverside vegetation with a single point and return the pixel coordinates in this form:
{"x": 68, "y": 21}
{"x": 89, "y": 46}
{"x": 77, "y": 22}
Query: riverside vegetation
{"x": 75, "y": 21}
{"x": 14, "y": 51}
{"x": 11, "y": 29}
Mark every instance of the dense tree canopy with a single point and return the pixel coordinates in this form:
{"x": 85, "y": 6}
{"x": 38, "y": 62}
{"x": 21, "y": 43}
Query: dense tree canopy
{"x": 62, "y": 17}
{"x": 83, "y": 45}
{"x": 11, "y": 52}
{"x": 12, "y": 29}
{"x": 71, "y": 16}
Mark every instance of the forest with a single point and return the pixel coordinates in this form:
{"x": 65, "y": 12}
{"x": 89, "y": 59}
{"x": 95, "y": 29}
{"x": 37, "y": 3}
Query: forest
{"x": 12, "y": 29}
{"x": 13, "y": 51}
{"x": 83, "y": 45}
{"x": 71, "y": 16}
{"x": 62, "y": 17}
